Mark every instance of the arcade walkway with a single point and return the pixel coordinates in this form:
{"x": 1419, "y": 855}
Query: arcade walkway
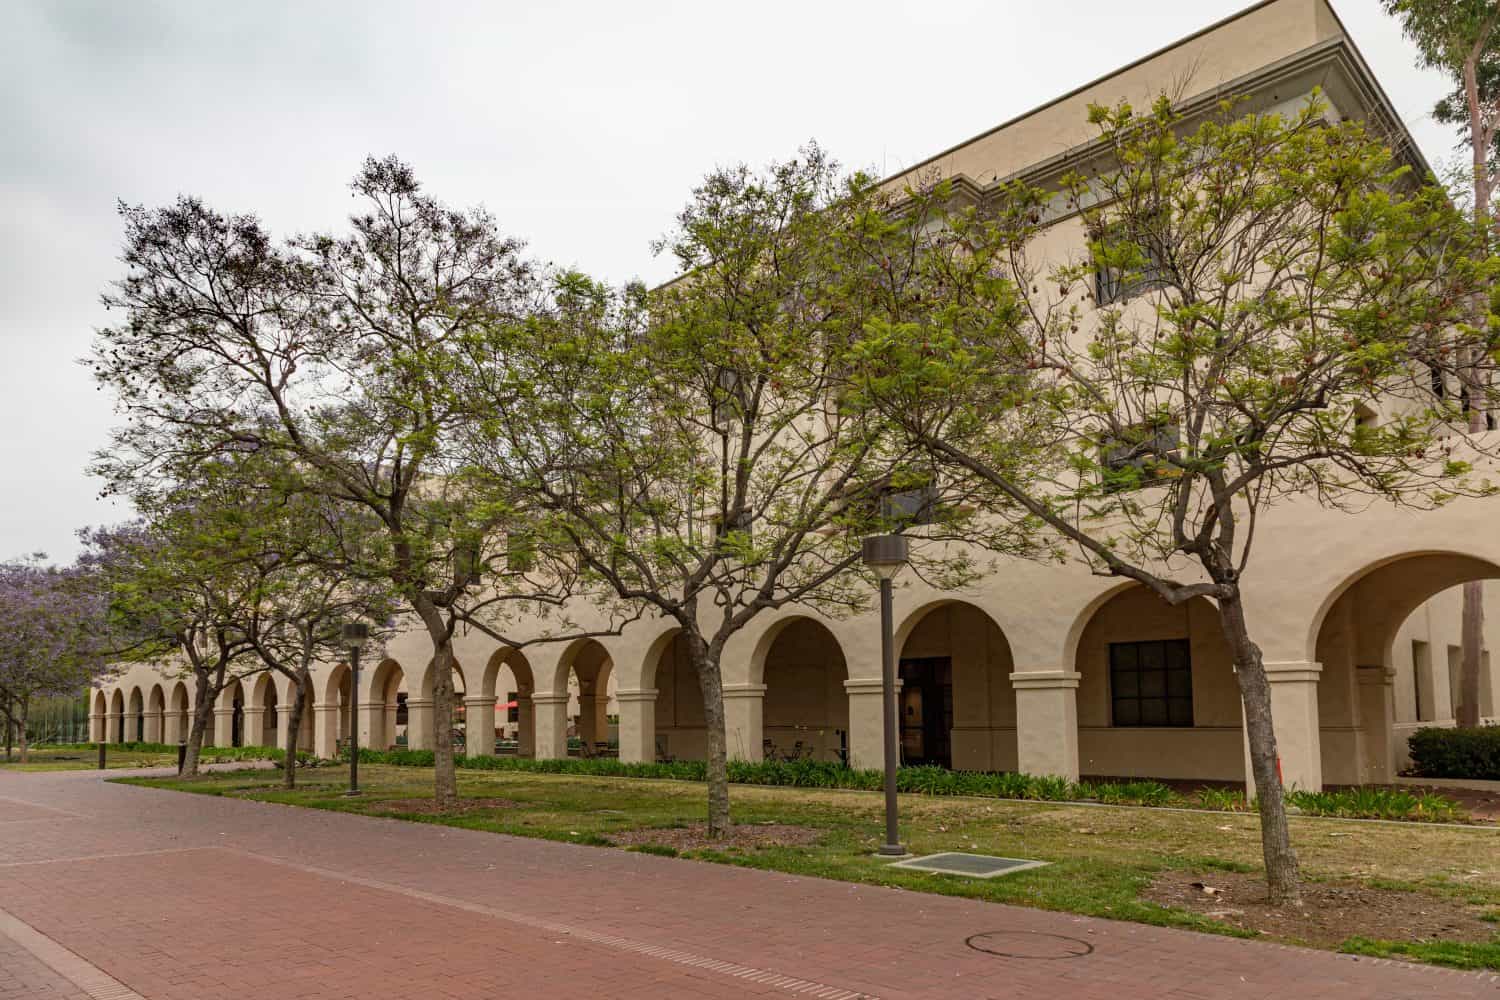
{"x": 115, "y": 893}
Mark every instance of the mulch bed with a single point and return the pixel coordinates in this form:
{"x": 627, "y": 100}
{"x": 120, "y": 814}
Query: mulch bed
{"x": 429, "y": 807}
{"x": 742, "y": 835}
{"x": 1331, "y": 912}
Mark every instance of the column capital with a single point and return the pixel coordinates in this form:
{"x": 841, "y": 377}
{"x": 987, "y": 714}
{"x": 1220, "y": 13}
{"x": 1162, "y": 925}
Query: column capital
{"x": 636, "y": 694}
{"x": 549, "y": 699}
{"x": 1041, "y": 680}
{"x": 478, "y": 701}
{"x": 319, "y": 708}
{"x": 867, "y": 685}
{"x": 412, "y": 703}
{"x": 1292, "y": 671}
{"x": 221, "y": 710}
{"x": 744, "y": 690}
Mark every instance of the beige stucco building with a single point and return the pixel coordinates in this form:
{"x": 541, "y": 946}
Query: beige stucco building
{"x": 1041, "y": 668}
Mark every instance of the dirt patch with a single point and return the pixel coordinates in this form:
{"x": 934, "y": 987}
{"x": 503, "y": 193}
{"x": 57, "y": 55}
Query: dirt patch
{"x": 1331, "y": 912}
{"x": 429, "y": 807}
{"x": 695, "y": 837}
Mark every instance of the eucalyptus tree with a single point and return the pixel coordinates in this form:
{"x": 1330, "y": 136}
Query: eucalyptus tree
{"x": 338, "y": 353}
{"x": 1461, "y": 39}
{"x": 1255, "y": 321}
{"x": 687, "y": 450}
{"x": 52, "y": 637}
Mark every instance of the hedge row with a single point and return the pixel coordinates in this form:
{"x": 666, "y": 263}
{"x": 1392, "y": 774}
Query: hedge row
{"x": 208, "y": 753}
{"x": 1368, "y": 803}
{"x": 1456, "y": 753}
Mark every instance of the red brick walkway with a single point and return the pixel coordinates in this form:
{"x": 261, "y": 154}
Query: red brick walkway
{"x": 179, "y": 897}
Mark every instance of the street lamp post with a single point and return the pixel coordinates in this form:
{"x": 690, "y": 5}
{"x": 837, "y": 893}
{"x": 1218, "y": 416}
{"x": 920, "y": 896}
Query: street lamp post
{"x": 354, "y": 636}
{"x": 885, "y": 555}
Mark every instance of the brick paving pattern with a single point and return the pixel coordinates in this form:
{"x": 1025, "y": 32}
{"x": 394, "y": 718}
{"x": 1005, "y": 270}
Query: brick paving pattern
{"x": 182, "y": 897}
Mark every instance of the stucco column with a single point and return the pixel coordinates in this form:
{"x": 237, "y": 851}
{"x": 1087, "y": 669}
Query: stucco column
{"x": 1294, "y": 714}
{"x": 173, "y": 731}
{"x": 1047, "y": 722}
{"x": 1377, "y": 711}
{"x": 419, "y": 735}
{"x": 115, "y": 728}
{"x": 479, "y": 726}
{"x": 866, "y": 725}
{"x": 551, "y": 714}
{"x": 224, "y": 727}
{"x": 255, "y": 727}
{"x": 97, "y": 722}
{"x": 525, "y": 726}
{"x": 743, "y": 729}
{"x": 325, "y": 731}
{"x": 153, "y": 727}
{"x": 370, "y": 717}
{"x": 637, "y": 725}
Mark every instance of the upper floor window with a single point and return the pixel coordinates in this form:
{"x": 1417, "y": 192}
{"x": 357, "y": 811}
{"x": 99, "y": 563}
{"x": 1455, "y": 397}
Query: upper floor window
{"x": 1112, "y": 284}
{"x": 1140, "y": 456}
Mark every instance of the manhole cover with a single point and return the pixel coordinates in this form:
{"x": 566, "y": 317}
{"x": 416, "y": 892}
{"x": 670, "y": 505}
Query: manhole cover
{"x": 971, "y": 865}
{"x": 1029, "y": 944}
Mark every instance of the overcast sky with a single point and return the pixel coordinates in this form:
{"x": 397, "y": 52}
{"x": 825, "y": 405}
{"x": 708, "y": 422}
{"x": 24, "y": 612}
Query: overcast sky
{"x": 581, "y": 125}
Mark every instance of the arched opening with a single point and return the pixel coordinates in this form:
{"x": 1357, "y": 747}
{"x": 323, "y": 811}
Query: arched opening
{"x": 264, "y": 704}
{"x": 135, "y": 721}
{"x": 593, "y": 717}
{"x": 388, "y": 712}
{"x": 117, "y": 716}
{"x": 101, "y": 720}
{"x": 178, "y": 721}
{"x": 156, "y": 710}
{"x": 460, "y": 687}
{"x": 1157, "y": 696}
{"x": 805, "y": 714}
{"x": 508, "y": 678}
{"x": 234, "y": 697}
{"x": 956, "y": 707}
{"x": 680, "y": 731}
{"x": 338, "y": 690}
{"x": 1390, "y": 648}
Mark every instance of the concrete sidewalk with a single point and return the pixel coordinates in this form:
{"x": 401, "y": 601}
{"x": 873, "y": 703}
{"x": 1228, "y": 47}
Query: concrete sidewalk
{"x": 180, "y": 897}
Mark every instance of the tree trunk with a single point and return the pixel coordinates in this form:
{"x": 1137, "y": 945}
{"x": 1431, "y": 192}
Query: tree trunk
{"x": 10, "y": 725}
{"x": 202, "y": 716}
{"x": 711, "y": 685}
{"x": 22, "y": 711}
{"x": 1255, "y": 690}
{"x": 1472, "y": 621}
{"x": 293, "y": 728}
{"x": 444, "y": 772}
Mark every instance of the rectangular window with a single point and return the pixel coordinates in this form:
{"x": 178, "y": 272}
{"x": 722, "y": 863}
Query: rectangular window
{"x": 1421, "y": 679}
{"x": 1151, "y": 683}
{"x": 1455, "y": 679}
{"x": 1140, "y": 457}
{"x": 1112, "y": 285}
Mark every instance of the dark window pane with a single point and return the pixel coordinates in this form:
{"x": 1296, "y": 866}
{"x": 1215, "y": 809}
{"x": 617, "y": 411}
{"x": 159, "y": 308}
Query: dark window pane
{"x": 1127, "y": 712}
{"x": 1177, "y": 655}
{"x": 1153, "y": 712}
{"x": 1153, "y": 684}
{"x": 1153, "y": 657}
{"x": 1127, "y": 683}
{"x": 1123, "y": 655}
{"x": 1180, "y": 684}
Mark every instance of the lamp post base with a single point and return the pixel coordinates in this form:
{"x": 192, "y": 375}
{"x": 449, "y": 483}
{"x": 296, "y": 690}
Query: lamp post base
{"x": 892, "y": 851}
{"x": 352, "y": 792}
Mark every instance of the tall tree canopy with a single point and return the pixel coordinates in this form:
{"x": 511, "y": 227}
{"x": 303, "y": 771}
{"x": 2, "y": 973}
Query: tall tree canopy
{"x": 1255, "y": 321}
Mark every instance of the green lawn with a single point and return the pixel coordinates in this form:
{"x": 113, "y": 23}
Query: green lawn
{"x": 1103, "y": 858}
{"x": 85, "y": 757}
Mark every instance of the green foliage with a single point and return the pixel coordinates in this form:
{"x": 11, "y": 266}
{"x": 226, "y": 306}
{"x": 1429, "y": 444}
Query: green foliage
{"x": 1368, "y": 803}
{"x": 1456, "y": 753}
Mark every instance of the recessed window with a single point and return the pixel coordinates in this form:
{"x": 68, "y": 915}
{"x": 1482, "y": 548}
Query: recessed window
{"x": 1151, "y": 683}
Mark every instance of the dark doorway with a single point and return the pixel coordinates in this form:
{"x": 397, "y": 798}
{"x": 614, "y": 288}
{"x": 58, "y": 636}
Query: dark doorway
{"x": 927, "y": 711}
{"x": 237, "y": 724}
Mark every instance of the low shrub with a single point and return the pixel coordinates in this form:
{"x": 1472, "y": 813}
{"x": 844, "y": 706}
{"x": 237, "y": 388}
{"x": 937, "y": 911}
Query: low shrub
{"x": 1366, "y": 803}
{"x": 1456, "y": 753}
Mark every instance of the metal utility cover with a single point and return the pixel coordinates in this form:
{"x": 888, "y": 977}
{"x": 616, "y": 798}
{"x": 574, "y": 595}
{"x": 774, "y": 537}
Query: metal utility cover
{"x": 969, "y": 865}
